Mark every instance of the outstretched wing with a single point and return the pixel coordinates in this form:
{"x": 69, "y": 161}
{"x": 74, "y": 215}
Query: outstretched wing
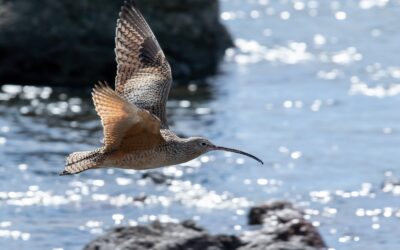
{"x": 143, "y": 73}
{"x": 126, "y": 126}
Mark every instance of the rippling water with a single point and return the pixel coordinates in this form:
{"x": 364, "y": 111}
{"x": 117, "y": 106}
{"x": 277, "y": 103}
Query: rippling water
{"x": 312, "y": 88}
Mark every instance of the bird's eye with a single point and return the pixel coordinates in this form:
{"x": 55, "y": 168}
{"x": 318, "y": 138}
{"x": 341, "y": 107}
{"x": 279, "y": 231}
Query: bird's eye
{"x": 203, "y": 144}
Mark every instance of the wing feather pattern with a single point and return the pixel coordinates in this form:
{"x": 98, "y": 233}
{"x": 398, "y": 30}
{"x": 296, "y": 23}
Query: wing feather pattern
{"x": 126, "y": 127}
{"x": 143, "y": 73}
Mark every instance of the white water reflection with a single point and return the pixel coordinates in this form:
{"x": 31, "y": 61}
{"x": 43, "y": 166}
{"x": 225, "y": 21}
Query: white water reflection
{"x": 368, "y": 4}
{"x": 250, "y": 52}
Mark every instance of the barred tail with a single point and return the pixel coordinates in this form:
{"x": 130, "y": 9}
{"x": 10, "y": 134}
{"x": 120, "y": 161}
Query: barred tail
{"x": 80, "y": 161}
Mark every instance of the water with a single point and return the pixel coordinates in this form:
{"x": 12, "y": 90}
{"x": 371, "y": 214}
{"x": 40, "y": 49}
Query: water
{"x": 312, "y": 88}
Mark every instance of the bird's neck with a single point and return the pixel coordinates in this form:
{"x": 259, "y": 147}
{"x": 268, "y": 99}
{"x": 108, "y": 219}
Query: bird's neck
{"x": 180, "y": 151}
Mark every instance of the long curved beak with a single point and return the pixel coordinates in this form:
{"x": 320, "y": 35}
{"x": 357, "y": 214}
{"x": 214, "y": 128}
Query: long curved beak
{"x": 238, "y": 152}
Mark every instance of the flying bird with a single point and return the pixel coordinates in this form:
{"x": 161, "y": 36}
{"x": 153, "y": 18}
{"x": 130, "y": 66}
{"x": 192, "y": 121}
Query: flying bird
{"x": 136, "y": 132}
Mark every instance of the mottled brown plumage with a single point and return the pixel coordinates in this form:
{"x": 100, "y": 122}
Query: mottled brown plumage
{"x": 136, "y": 133}
{"x": 143, "y": 73}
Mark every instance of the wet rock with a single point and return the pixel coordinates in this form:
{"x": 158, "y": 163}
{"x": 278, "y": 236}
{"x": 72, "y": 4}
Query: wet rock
{"x": 71, "y": 42}
{"x": 283, "y": 227}
{"x": 259, "y": 213}
{"x": 140, "y": 198}
{"x": 163, "y": 236}
{"x": 156, "y": 177}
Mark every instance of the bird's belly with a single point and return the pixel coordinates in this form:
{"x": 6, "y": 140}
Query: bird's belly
{"x": 141, "y": 160}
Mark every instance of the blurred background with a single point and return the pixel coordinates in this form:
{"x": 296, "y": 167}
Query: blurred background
{"x": 310, "y": 86}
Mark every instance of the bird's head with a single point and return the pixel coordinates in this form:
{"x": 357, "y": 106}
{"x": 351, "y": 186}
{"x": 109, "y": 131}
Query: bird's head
{"x": 199, "y": 146}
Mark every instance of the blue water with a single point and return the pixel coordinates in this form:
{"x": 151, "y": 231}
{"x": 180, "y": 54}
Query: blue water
{"x": 312, "y": 88}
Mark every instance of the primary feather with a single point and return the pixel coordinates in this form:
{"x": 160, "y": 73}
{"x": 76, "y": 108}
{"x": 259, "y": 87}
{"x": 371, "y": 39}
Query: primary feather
{"x": 143, "y": 73}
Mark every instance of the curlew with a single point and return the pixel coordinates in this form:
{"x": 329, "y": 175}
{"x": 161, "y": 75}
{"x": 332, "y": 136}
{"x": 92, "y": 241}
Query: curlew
{"x": 136, "y": 132}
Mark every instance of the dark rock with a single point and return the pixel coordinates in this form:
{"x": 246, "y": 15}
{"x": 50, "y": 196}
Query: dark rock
{"x": 284, "y": 229}
{"x": 141, "y": 198}
{"x": 258, "y": 214}
{"x": 71, "y": 42}
{"x": 163, "y": 236}
{"x": 190, "y": 33}
{"x": 156, "y": 177}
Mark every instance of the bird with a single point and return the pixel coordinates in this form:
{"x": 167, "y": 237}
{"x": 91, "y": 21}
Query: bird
{"x": 133, "y": 116}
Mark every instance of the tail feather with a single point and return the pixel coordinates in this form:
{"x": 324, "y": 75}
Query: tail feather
{"x": 80, "y": 161}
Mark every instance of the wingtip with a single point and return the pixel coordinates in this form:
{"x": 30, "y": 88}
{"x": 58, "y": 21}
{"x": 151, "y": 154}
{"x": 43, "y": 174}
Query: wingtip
{"x": 128, "y": 4}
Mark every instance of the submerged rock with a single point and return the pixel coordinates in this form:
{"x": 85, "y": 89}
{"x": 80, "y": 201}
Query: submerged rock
{"x": 157, "y": 177}
{"x": 283, "y": 228}
{"x": 71, "y": 42}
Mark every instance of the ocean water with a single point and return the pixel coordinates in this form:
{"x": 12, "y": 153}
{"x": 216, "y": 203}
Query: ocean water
{"x": 312, "y": 88}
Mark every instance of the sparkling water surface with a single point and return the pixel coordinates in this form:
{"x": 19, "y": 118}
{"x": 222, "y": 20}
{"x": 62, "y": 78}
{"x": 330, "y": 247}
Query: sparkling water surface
{"x": 312, "y": 88}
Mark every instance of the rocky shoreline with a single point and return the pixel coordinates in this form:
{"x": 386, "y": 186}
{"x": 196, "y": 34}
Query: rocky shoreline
{"x": 71, "y": 43}
{"x": 282, "y": 227}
